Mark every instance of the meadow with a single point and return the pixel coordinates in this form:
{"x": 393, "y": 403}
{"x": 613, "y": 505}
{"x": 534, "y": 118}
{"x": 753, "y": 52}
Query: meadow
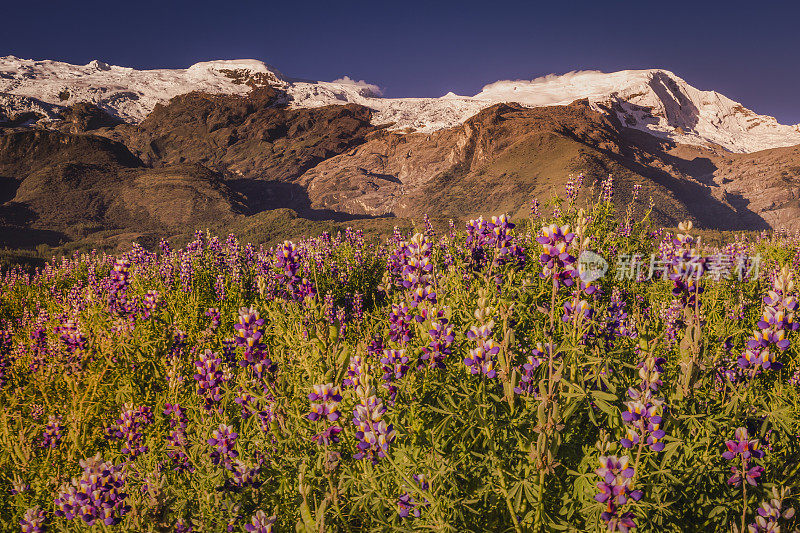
{"x": 470, "y": 379}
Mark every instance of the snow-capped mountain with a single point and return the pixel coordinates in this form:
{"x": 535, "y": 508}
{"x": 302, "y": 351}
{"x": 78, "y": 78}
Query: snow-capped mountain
{"x": 655, "y": 101}
{"x": 128, "y": 93}
{"x": 658, "y": 102}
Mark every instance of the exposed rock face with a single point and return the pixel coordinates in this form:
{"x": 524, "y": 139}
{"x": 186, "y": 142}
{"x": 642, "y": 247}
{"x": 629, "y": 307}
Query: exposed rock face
{"x": 766, "y": 182}
{"x": 502, "y": 158}
{"x": 72, "y": 184}
{"x": 245, "y": 137}
{"x": 83, "y": 117}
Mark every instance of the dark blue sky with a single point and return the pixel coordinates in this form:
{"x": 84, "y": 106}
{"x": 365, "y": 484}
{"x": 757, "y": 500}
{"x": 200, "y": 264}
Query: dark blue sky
{"x": 749, "y": 51}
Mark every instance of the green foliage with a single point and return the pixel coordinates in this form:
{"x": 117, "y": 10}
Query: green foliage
{"x": 494, "y": 459}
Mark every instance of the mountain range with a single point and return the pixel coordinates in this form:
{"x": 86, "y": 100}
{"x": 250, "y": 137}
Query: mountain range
{"x": 100, "y": 151}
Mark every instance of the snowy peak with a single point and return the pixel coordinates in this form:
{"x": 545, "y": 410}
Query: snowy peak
{"x": 655, "y": 101}
{"x": 128, "y": 93}
{"x": 239, "y": 70}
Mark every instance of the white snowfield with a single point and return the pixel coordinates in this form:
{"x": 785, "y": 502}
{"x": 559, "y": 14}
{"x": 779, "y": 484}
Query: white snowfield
{"x": 655, "y": 101}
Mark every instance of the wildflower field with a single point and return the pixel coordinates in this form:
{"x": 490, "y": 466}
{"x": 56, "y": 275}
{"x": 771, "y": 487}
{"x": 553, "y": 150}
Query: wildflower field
{"x": 474, "y": 379}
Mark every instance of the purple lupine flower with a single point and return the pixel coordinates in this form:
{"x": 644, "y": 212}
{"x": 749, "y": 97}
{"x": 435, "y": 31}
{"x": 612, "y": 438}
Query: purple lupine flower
{"x": 615, "y": 490}
{"x": 400, "y": 324}
{"x": 577, "y": 310}
{"x": 183, "y": 525}
{"x": 617, "y": 323}
{"x": 98, "y": 494}
{"x": 528, "y": 384}
{"x": 328, "y": 436}
{"x": 33, "y": 521}
{"x": 266, "y": 415}
{"x": 686, "y": 269}
{"x": 795, "y": 379}
{"x": 229, "y": 351}
{"x": 395, "y": 364}
{"x": 420, "y": 295}
{"x": 428, "y": 226}
{"x": 572, "y": 188}
{"x": 249, "y": 336}
{"x": 341, "y": 319}
{"x": 209, "y": 379}
{"x": 215, "y": 316}
{"x": 243, "y": 476}
{"x": 151, "y": 303}
{"x": 644, "y": 412}
{"x": 176, "y": 415}
{"x": 757, "y": 357}
{"x": 260, "y": 523}
{"x": 71, "y": 336}
{"x": 288, "y": 259}
{"x": 233, "y": 258}
{"x": 535, "y": 212}
{"x": 186, "y": 272}
{"x": 481, "y": 358}
{"x": 51, "y": 436}
{"x": 415, "y": 262}
{"x": 39, "y": 348}
{"x": 747, "y": 449}
{"x": 607, "y": 189}
{"x": 407, "y": 505}
{"x": 330, "y": 309}
{"x": 777, "y": 320}
{"x": 128, "y": 428}
{"x": 118, "y": 281}
{"x": 198, "y": 244}
{"x": 555, "y": 257}
{"x": 645, "y": 423}
{"x": 770, "y": 512}
{"x": 373, "y": 433}
{"x": 355, "y": 371}
{"x": 442, "y": 338}
{"x": 673, "y": 321}
{"x": 223, "y": 440}
{"x": 177, "y": 444}
{"x": 245, "y": 401}
{"x": 5, "y": 355}
{"x": 327, "y": 398}
{"x": 375, "y": 348}
{"x": 492, "y": 242}
{"x": 622, "y": 522}
{"x": 220, "y": 288}
{"x": 410, "y": 263}
{"x": 358, "y": 307}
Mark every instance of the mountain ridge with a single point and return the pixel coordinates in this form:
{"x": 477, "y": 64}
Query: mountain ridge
{"x": 655, "y": 101}
{"x": 249, "y": 148}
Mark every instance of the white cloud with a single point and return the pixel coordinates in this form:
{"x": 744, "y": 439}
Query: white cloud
{"x": 368, "y": 89}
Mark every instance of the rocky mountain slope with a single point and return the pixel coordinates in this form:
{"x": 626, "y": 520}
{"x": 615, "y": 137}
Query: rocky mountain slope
{"x": 235, "y": 143}
{"x": 57, "y": 187}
